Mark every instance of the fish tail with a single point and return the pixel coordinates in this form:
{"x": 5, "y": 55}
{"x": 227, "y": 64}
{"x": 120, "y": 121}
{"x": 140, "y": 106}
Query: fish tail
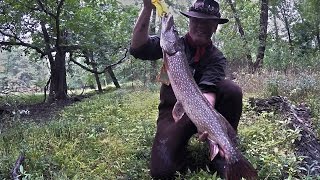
{"x": 240, "y": 169}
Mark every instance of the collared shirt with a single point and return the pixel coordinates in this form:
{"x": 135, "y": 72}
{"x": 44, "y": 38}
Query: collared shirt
{"x": 209, "y": 71}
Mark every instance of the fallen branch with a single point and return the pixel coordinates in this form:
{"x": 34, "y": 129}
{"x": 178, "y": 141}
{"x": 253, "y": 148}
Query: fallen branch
{"x": 308, "y": 145}
{"x": 15, "y": 172}
{"x": 45, "y": 89}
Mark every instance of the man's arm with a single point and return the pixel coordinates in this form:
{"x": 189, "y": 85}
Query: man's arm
{"x": 143, "y": 46}
{"x": 213, "y": 74}
{"x": 141, "y": 30}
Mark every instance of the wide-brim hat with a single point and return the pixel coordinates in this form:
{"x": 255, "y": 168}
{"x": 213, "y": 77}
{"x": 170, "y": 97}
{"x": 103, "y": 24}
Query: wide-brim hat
{"x": 205, "y": 9}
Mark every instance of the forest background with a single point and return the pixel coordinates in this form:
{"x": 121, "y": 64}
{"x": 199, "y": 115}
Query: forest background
{"x": 65, "y": 47}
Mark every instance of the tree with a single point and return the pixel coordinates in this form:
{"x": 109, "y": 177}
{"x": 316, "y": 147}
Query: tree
{"x": 310, "y": 17}
{"x": 55, "y": 28}
{"x": 17, "y": 73}
{"x": 262, "y": 34}
{"x": 241, "y": 32}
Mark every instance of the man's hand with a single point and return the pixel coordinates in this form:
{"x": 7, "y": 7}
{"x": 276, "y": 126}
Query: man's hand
{"x": 211, "y": 97}
{"x": 202, "y": 136}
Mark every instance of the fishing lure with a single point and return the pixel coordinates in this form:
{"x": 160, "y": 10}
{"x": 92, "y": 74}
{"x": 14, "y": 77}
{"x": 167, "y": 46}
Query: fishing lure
{"x": 161, "y": 7}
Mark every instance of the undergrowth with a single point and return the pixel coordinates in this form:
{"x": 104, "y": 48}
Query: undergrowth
{"x": 268, "y": 143}
{"x": 109, "y": 136}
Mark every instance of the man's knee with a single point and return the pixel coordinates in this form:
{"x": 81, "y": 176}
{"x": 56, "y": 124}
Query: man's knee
{"x": 229, "y": 102}
{"x": 230, "y": 90}
{"x": 162, "y": 159}
{"x": 167, "y": 157}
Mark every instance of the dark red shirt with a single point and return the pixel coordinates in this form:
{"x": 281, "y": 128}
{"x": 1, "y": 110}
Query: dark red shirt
{"x": 209, "y": 71}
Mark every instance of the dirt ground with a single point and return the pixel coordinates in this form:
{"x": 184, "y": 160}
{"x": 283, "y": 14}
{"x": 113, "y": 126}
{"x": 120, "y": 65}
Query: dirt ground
{"x": 39, "y": 112}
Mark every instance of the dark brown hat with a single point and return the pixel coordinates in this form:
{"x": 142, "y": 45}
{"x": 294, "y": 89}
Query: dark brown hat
{"x": 205, "y": 9}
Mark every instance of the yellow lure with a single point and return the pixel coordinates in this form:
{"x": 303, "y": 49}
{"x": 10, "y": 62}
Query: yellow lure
{"x": 161, "y": 7}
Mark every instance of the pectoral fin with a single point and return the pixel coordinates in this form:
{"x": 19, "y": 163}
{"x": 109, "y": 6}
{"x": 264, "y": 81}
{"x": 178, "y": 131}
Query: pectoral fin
{"x": 177, "y": 111}
{"x": 163, "y": 75}
{"x": 214, "y": 149}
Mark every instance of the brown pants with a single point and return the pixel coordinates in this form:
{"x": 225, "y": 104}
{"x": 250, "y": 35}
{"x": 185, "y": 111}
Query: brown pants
{"x": 171, "y": 139}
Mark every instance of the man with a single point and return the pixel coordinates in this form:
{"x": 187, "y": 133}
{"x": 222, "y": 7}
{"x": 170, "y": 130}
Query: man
{"x": 208, "y": 66}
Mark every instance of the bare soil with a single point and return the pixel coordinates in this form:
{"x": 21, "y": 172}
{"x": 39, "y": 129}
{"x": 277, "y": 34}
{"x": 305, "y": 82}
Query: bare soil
{"x": 40, "y": 112}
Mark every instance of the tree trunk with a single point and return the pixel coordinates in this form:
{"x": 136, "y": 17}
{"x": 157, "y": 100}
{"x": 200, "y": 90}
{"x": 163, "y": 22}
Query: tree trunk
{"x": 113, "y": 77}
{"x": 58, "y": 84}
{"x": 145, "y": 70}
{"x": 287, "y": 26}
{"x": 284, "y": 12}
{"x": 53, "y": 65}
{"x": 318, "y": 38}
{"x": 275, "y": 24}
{"x": 154, "y": 71}
{"x": 242, "y": 34}
{"x": 262, "y": 34}
{"x": 96, "y": 75}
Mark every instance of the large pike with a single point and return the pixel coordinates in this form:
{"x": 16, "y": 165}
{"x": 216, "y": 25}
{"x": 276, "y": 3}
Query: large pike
{"x": 191, "y": 101}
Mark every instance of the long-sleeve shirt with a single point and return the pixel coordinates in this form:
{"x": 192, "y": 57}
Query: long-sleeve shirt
{"x": 207, "y": 72}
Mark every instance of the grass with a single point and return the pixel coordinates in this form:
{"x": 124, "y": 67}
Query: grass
{"x": 106, "y": 137}
{"x": 15, "y": 100}
{"x": 109, "y": 136}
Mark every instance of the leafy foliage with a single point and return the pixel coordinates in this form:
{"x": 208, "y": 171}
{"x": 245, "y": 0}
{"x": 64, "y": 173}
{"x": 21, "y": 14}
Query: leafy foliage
{"x": 19, "y": 73}
{"x": 99, "y": 29}
{"x": 293, "y": 33}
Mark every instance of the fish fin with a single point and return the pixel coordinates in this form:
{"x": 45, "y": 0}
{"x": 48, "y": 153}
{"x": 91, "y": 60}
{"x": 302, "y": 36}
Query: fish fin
{"x": 163, "y": 75}
{"x": 239, "y": 169}
{"x": 214, "y": 149}
{"x": 177, "y": 111}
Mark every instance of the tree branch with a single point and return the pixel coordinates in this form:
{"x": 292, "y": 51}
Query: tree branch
{"x": 68, "y": 48}
{"x": 23, "y": 44}
{"x": 58, "y": 23}
{"x": 45, "y": 10}
{"x": 47, "y": 42}
{"x": 19, "y": 42}
{"x": 46, "y": 88}
{"x": 59, "y": 7}
{"x": 105, "y": 68}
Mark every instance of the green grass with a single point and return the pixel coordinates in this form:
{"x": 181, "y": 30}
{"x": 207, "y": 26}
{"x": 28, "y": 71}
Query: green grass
{"x": 14, "y": 100}
{"x": 105, "y": 137}
{"x": 109, "y": 136}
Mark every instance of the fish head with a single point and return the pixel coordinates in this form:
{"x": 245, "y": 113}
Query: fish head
{"x": 169, "y": 39}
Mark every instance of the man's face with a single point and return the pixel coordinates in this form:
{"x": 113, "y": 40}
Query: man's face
{"x": 201, "y": 30}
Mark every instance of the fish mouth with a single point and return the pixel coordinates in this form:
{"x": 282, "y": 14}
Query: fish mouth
{"x": 169, "y": 22}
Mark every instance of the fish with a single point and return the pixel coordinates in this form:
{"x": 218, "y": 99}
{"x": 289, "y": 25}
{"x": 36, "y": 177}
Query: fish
{"x": 190, "y": 101}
